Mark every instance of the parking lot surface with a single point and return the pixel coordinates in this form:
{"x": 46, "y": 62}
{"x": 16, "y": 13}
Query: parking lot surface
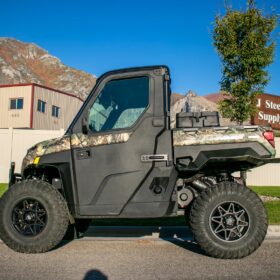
{"x": 137, "y": 259}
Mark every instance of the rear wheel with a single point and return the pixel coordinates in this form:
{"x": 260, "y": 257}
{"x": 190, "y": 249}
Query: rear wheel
{"x": 228, "y": 221}
{"x": 33, "y": 217}
{"x": 187, "y": 212}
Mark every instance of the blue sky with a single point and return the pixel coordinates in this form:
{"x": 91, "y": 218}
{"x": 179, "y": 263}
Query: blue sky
{"x": 97, "y": 36}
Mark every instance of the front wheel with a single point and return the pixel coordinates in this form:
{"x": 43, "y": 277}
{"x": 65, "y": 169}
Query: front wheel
{"x": 229, "y": 221}
{"x": 33, "y": 217}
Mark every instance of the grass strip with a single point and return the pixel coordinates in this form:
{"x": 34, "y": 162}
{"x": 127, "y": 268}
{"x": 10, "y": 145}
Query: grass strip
{"x": 273, "y": 211}
{"x": 268, "y": 191}
{"x": 3, "y": 188}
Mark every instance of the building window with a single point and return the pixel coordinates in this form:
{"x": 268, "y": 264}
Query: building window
{"x": 55, "y": 111}
{"x": 16, "y": 104}
{"x": 41, "y": 106}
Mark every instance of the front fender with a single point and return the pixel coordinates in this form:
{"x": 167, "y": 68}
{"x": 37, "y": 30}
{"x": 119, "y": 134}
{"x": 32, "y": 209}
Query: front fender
{"x": 50, "y": 172}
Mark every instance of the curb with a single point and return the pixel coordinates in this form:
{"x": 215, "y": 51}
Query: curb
{"x": 273, "y": 231}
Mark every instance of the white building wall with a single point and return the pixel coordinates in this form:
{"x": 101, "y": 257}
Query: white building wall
{"x": 267, "y": 175}
{"x": 68, "y": 105}
{"x": 14, "y": 144}
{"x": 5, "y": 153}
{"x": 15, "y": 118}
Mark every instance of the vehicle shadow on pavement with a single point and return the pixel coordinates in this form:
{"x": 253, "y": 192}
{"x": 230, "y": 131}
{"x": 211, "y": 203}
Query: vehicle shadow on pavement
{"x": 188, "y": 245}
{"x": 181, "y": 237}
{"x": 177, "y": 235}
{"x": 63, "y": 243}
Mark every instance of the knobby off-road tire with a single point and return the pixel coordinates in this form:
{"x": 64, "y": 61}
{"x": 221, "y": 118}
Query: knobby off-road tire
{"x": 187, "y": 213}
{"x": 33, "y": 217}
{"x": 228, "y": 221}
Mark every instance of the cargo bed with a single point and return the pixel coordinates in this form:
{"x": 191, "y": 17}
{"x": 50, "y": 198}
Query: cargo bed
{"x": 232, "y": 148}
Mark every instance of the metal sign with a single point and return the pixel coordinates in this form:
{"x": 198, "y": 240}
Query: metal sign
{"x": 269, "y": 111}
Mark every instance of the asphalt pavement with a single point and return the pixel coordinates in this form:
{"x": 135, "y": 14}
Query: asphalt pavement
{"x": 179, "y": 233}
{"x": 117, "y": 256}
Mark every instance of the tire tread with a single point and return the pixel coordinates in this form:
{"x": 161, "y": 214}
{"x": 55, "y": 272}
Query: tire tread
{"x": 215, "y": 249}
{"x": 31, "y": 187}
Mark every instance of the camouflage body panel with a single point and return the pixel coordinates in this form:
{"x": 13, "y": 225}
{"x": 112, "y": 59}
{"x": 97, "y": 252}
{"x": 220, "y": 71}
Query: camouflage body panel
{"x": 223, "y": 135}
{"x": 80, "y": 140}
{"x": 65, "y": 142}
{"x": 46, "y": 147}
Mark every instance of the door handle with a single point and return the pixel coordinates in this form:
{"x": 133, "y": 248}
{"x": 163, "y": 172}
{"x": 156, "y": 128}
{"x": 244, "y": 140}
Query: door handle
{"x": 156, "y": 157}
{"x": 82, "y": 153}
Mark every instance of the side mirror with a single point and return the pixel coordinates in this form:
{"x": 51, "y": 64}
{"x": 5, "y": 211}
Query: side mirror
{"x": 84, "y": 126}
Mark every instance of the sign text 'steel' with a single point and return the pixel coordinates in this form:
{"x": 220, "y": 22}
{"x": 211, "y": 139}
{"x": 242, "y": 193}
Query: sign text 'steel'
{"x": 269, "y": 111}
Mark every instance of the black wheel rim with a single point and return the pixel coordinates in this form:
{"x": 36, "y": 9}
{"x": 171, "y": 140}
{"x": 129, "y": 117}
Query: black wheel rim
{"x": 229, "y": 221}
{"x": 29, "y": 217}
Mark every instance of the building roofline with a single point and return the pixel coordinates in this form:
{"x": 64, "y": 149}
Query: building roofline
{"x": 15, "y": 85}
{"x": 270, "y": 94}
{"x": 41, "y": 86}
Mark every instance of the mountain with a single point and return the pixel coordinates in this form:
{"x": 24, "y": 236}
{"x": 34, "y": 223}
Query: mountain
{"x": 175, "y": 97}
{"x": 214, "y": 97}
{"x": 191, "y": 102}
{"x": 27, "y": 63}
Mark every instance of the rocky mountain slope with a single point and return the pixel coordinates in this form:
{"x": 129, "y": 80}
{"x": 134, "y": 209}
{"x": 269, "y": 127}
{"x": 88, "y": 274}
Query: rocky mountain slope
{"x": 191, "y": 102}
{"x": 214, "y": 97}
{"x": 27, "y": 63}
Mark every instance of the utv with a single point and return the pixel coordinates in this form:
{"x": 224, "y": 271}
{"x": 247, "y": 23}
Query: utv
{"x": 120, "y": 158}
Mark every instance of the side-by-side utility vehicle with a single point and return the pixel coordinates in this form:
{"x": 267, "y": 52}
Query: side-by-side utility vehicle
{"x": 120, "y": 158}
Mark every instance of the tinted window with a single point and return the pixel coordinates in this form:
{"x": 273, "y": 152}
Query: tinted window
{"x": 41, "y": 106}
{"x": 55, "y": 111}
{"x": 16, "y": 103}
{"x": 119, "y": 104}
{"x": 13, "y": 104}
{"x": 19, "y": 103}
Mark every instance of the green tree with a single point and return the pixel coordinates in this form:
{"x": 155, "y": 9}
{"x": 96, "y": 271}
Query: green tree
{"x": 245, "y": 45}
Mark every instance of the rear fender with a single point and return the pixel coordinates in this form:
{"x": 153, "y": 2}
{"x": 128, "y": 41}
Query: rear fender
{"x": 223, "y": 164}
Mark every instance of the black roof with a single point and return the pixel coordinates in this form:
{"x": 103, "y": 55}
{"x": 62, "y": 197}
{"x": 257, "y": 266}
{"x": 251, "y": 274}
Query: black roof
{"x": 131, "y": 69}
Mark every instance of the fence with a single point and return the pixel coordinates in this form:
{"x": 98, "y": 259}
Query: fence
{"x": 15, "y": 142}
{"x": 266, "y": 175}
